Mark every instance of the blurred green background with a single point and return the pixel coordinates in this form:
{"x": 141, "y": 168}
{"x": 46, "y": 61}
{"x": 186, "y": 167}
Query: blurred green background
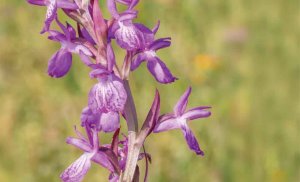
{"x": 240, "y": 57}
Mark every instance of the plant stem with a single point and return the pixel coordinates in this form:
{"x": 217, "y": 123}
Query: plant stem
{"x": 133, "y": 146}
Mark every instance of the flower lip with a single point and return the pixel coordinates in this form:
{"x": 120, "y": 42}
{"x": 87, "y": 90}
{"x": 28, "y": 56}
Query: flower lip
{"x": 107, "y": 95}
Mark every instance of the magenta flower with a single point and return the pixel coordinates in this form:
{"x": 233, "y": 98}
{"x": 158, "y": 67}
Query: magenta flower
{"x": 108, "y": 97}
{"x": 157, "y": 68}
{"x": 60, "y": 63}
{"x": 78, "y": 169}
{"x": 130, "y": 36}
{"x": 52, "y": 6}
{"x": 179, "y": 118}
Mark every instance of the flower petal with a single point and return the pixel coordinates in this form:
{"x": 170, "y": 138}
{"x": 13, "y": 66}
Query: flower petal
{"x": 133, "y": 4}
{"x": 60, "y": 63}
{"x": 79, "y": 143}
{"x": 78, "y": 169}
{"x": 160, "y": 71}
{"x": 125, "y": 2}
{"x": 111, "y": 60}
{"x": 99, "y": 72}
{"x": 112, "y": 8}
{"x": 107, "y": 95}
{"x": 160, "y": 44}
{"x": 168, "y": 124}
{"x": 198, "y": 112}
{"x": 77, "y": 47}
{"x": 190, "y": 139}
{"x": 66, "y": 5}
{"x": 156, "y": 27}
{"x": 37, "y": 2}
{"x": 148, "y": 35}
{"x": 109, "y": 122}
{"x": 137, "y": 61}
{"x": 180, "y": 106}
{"x": 129, "y": 37}
{"x": 50, "y": 15}
{"x": 71, "y": 32}
{"x": 89, "y": 118}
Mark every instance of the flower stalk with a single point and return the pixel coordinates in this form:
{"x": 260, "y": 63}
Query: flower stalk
{"x": 110, "y": 98}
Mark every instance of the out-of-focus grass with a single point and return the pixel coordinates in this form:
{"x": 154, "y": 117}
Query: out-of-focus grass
{"x": 240, "y": 56}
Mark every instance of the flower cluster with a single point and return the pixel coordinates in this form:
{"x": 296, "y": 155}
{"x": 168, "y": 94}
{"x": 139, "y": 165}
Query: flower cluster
{"x": 110, "y": 98}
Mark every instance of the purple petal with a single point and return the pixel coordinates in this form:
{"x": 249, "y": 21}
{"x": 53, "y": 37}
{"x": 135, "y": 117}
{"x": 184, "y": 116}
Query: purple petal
{"x": 100, "y": 72}
{"x": 107, "y": 95}
{"x": 56, "y": 36}
{"x": 50, "y": 15}
{"x": 160, "y": 71}
{"x": 190, "y": 139}
{"x": 156, "y": 27}
{"x": 71, "y": 32}
{"x": 128, "y": 15}
{"x": 148, "y": 35}
{"x": 125, "y": 2}
{"x": 129, "y": 37}
{"x": 109, "y": 122}
{"x": 77, "y": 48}
{"x": 78, "y": 143}
{"x": 65, "y": 4}
{"x": 160, "y": 43}
{"x": 83, "y": 33}
{"x": 133, "y": 4}
{"x": 89, "y": 118}
{"x": 102, "y": 159}
{"x": 60, "y": 63}
{"x": 137, "y": 61}
{"x": 165, "y": 123}
{"x": 180, "y": 106}
{"x": 78, "y": 169}
{"x": 37, "y": 2}
{"x": 112, "y": 8}
{"x": 85, "y": 59}
{"x": 111, "y": 60}
{"x": 198, "y": 112}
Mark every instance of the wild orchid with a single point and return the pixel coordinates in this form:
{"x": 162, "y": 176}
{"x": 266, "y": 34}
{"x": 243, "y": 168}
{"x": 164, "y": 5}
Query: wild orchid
{"x": 110, "y": 98}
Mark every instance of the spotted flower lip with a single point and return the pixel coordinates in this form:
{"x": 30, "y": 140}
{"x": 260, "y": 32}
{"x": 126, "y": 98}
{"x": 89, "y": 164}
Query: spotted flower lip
{"x": 52, "y": 6}
{"x": 157, "y": 68}
{"x": 107, "y": 95}
{"x": 106, "y": 122}
{"x": 178, "y": 120}
{"x": 78, "y": 169}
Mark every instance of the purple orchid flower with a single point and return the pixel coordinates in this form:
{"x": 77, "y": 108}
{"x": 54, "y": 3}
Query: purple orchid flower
{"x": 130, "y": 36}
{"x": 78, "y": 169}
{"x": 108, "y": 97}
{"x": 52, "y": 6}
{"x": 60, "y": 63}
{"x": 178, "y": 120}
{"x": 157, "y": 68}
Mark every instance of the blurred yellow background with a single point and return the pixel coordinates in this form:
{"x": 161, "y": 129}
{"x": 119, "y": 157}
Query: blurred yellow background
{"x": 240, "y": 57}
